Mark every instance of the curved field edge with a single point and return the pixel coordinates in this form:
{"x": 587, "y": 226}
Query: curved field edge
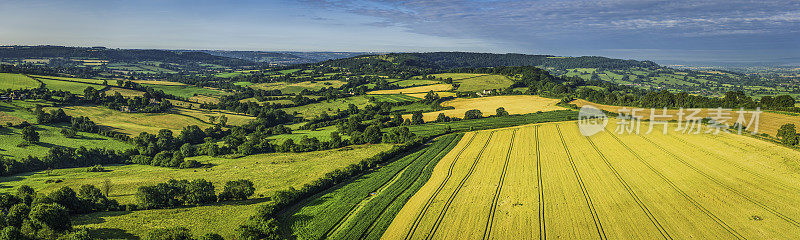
{"x": 366, "y": 205}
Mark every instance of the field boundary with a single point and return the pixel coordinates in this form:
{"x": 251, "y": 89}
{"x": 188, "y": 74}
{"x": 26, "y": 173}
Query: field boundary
{"x": 425, "y": 207}
{"x": 598, "y": 225}
{"x": 709, "y": 177}
{"x": 708, "y": 213}
{"x": 441, "y": 216}
{"x": 488, "y": 230}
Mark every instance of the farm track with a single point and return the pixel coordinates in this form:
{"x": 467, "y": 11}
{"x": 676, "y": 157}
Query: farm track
{"x": 630, "y": 191}
{"x": 442, "y": 153}
{"x": 684, "y": 194}
{"x": 731, "y": 163}
{"x": 424, "y": 210}
{"x": 488, "y": 230}
{"x": 439, "y": 219}
{"x": 718, "y": 182}
{"x": 542, "y": 225}
{"x": 341, "y": 221}
{"x": 592, "y": 210}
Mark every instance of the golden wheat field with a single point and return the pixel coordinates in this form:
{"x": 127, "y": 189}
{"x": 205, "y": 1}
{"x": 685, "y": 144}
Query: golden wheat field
{"x": 514, "y": 104}
{"x": 769, "y": 122}
{"x": 549, "y": 181}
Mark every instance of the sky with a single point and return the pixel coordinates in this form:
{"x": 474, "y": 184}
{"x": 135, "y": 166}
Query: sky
{"x": 668, "y": 32}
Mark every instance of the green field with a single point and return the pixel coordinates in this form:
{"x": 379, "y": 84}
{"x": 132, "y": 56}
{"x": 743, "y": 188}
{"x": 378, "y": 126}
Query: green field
{"x": 17, "y": 81}
{"x": 415, "y": 82}
{"x": 269, "y": 172}
{"x": 483, "y": 83}
{"x": 393, "y": 98}
{"x": 83, "y": 80}
{"x": 458, "y": 76}
{"x": 186, "y": 91}
{"x": 135, "y": 123}
{"x": 322, "y": 134}
{"x": 315, "y": 109}
{"x": 365, "y": 206}
{"x": 49, "y": 137}
{"x": 293, "y": 88}
{"x": 72, "y": 87}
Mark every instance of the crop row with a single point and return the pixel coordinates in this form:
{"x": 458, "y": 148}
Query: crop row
{"x": 430, "y": 129}
{"x": 367, "y": 196}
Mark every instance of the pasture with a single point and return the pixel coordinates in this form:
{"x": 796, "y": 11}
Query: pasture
{"x": 269, "y": 172}
{"x": 549, "y": 181}
{"x": 293, "y": 88}
{"x": 124, "y": 92}
{"x": 421, "y": 89}
{"x": 514, "y": 104}
{"x": 769, "y": 122}
{"x": 457, "y": 76}
{"x": 17, "y": 81}
{"x": 186, "y": 91}
{"x": 135, "y": 123}
{"x": 330, "y": 106}
{"x": 393, "y": 98}
{"x": 72, "y": 87}
{"x": 49, "y": 137}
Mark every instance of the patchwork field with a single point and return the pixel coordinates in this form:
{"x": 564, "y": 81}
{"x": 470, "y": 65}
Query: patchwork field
{"x": 186, "y": 91}
{"x": 514, "y": 104}
{"x": 393, "y": 98}
{"x": 124, "y": 92}
{"x": 769, "y": 122}
{"x": 549, "y": 181}
{"x": 290, "y": 88}
{"x": 421, "y": 89}
{"x": 17, "y": 81}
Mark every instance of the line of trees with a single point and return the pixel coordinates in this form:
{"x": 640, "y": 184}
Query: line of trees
{"x": 178, "y": 193}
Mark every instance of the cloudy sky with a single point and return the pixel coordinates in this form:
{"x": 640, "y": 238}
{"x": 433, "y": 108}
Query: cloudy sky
{"x": 724, "y": 31}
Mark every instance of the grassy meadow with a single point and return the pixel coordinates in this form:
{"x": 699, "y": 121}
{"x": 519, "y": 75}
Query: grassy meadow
{"x": 17, "y": 81}
{"x": 421, "y": 89}
{"x": 315, "y": 109}
{"x": 135, "y": 123}
{"x": 292, "y": 88}
{"x": 49, "y": 137}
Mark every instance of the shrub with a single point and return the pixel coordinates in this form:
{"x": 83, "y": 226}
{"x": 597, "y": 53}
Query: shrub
{"x": 237, "y": 190}
{"x": 473, "y": 114}
{"x": 50, "y": 216}
{"x": 69, "y": 133}
{"x": 96, "y": 168}
{"x": 178, "y": 233}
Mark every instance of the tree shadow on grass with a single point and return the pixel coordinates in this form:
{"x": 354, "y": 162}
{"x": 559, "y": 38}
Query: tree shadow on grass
{"x": 97, "y": 218}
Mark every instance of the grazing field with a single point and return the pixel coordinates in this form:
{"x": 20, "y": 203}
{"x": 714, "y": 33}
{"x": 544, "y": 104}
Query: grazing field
{"x": 322, "y": 134}
{"x": 186, "y": 91}
{"x": 315, "y": 109}
{"x": 483, "y": 83}
{"x": 549, "y": 181}
{"x": 421, "y": 89}
{"x": 17, "y": 81}
{"x": 514, "y": 104}
{"x": 415, "y": 82}
{"x": 269, "y": 172}
{"x": 457, "y": 76}
{"x": 291, "y": 88}
{"x": 204, "y": 99}
{"x": 769, "y": 122}
{"x": 393, "y": 98}
{"x": 124, "y": 92}
{"x": 364, "y": 207}
{"x": 70, "y": 79}
{"x": 155, "y": 82}
{"x": 72, "y": 87}
{"x": 49, "y": 137}
{"x": 234, "y": 119}
{"x": 135, "y": 123}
